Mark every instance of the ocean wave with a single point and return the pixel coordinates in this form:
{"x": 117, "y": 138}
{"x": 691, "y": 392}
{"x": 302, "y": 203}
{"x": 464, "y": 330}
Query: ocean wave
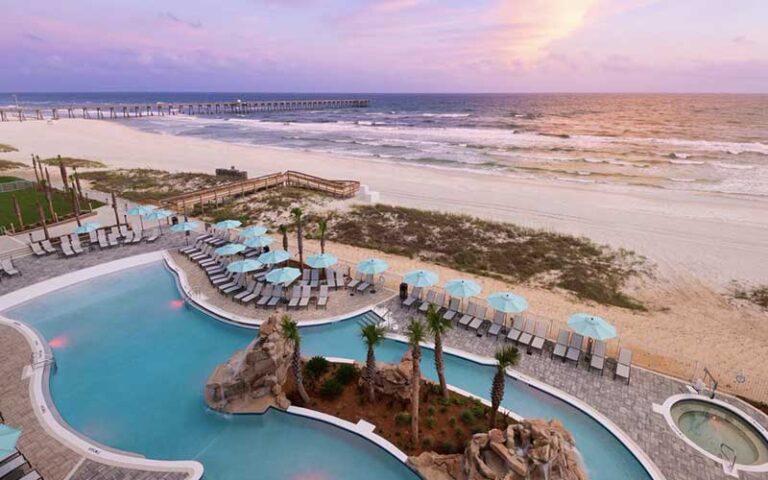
{"x": 446, "y": 115}
{"x": 687, "y": 162}
{"x": 681, "y": 179}
{"x": 733, "y": 166}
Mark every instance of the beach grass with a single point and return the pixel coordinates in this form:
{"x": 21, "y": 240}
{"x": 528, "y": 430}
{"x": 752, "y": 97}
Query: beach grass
{"x": 494, "y": 249}
{"x": 28, "y": 199}
{"x": 757, "y": 295}
{"x": 73, "y": 162}
{"x": 4, "y": 148}
{"x": 144, "y": 184}
{"x": 11, "y": 165}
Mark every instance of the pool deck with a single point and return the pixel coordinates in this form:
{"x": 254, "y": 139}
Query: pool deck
{"x": 630, "y": 407}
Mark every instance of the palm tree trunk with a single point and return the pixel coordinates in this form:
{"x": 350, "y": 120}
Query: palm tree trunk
{"x": 300, "y": 244}
{"x": 298, "y": 377}
{"x": 370, "y": 373}
{"x": 415, "y": 395}
{"x": 440, "y": 364}
{"x": 497, "y": 394}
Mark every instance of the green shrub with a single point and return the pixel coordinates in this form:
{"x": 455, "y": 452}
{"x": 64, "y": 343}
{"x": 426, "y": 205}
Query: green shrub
{"x": 452, "y": 421}
{"x": 477, "y": 429}
{"x": 316, "y": 368}
{"x": 426, "y": 442}
{"x": 346, "y": 373}
{"x": 402, "y": 418}
{"x": 331, "y": 388}
{"x": 467, "y": 417}
{"x": 445, "y": 401}
{"x": 459, "y": 432}
{"x": 446, "y": 447}
{"x": 478, "y": 410}
{"x": 431, "y": 422}
{"x": 430, "y": 410}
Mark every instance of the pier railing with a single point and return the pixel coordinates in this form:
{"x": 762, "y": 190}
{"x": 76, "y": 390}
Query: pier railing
{"x": 150, "y": 109}
{"x": 336, "y": 188}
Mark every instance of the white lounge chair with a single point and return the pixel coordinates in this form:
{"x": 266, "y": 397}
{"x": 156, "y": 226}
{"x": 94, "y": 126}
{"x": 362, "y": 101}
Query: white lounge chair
{"x": 499, "y": 320}
{"x": 37, "y": 249}
{"x": 574, "y": 348}
{"x": 598, "y": 356}
{"x": 517, "y": 329}
{"x": 413, "y": 297}
{"x": 322, "y": 299}
{"x": 540, "y": 336}
{"x": 624, "y": 364}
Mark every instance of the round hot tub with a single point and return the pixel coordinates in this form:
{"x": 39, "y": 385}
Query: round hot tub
{"x": 720, "y": 430}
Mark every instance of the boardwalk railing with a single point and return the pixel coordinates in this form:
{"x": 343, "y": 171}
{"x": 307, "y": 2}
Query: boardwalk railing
{"x": 15, "y": 185}
{"x": 336, "y": 188}
{"x": 115, "y": 111}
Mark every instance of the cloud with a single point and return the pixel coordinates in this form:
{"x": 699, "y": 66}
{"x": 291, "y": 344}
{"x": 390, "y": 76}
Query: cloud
{"x": 172, "y": 18}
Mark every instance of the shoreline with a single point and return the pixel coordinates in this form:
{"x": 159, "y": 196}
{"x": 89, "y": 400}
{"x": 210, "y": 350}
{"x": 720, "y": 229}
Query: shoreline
{"x": 713, "y": 238}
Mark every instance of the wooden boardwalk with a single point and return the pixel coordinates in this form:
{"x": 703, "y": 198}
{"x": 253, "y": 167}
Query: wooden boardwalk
{"x": 214, "y": 195}
{"x": 116, "y": 111}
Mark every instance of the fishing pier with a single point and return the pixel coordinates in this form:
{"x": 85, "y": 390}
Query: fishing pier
{"x": 118, "y": 111}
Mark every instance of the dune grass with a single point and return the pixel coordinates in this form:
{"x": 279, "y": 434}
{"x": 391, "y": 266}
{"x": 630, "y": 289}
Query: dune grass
{"x": 11, "y": 165}
{"x": 757, "y": 295}
{"x": 144, "y": 184}
{"x": 73, "y": 162}
{"x": 4, "y": 148}
{"x": 500, "y": 250}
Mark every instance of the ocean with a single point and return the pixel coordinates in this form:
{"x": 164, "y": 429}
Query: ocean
{"x": 715, "y": 143}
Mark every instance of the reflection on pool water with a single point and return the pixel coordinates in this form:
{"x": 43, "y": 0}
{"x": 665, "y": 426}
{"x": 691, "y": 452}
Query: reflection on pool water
{"x": 132, "y": 363}
{"x": 710, "y": 426}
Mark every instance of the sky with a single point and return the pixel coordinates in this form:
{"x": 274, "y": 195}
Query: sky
{"x": 384, "y": 45}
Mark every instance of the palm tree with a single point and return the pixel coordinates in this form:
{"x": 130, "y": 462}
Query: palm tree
{"x": 322, "y": 228}
{"x": 291, "y": 333}
{"x": 437, "y": 326}
{"x": 416, "y": 334}
{"x": 506, "y": 356}
{"x": 297, "y": 214}
{"x": 372, "y": 336}
{"x": 283, "y": 229}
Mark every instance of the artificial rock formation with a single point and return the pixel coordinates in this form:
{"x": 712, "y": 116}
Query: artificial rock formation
{"x": 529, "y": 450}
{"x": 253, "y": 378}
{"x": 393, "y": 380}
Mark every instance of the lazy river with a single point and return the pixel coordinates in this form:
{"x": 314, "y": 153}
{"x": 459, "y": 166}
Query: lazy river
{"x": 132, "y": 360}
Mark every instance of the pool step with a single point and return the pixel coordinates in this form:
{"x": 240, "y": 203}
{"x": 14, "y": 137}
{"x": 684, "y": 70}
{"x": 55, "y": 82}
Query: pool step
{"x": 368, "y": 318}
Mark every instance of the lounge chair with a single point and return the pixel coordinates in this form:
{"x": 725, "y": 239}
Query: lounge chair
{"x": 430, "y": 298}
{"x": 249, "y": 290}
{"x": 365, "y": 284}
{"x": 153, "y": 238}
{"x": 238, "y": 287}
{"x": 113, "y": 239}
{"x": 92, "y": 238}
{"x": 305, "y": 277}
{"x": 277, "y": 297}
{"x": 624, "y": 364}
{"x": 355, "y": 281}
{"x": 480, "y": 318}
{"x": 306, "y": 293}
{"x": 330, "y": 278}
{"x": 468, "y": 315}
{"x": 216, "y": 281}
{"x": 37, "y": 249}
{"x": 499, "y": 320}
{"x": 12, "y": 465}
{"x": 248, "y": 298}
{"x": 598, "y": 356}
{"x": 314, "y": 281}
{"x": 540, "y": 337}
{"x": 75, "y": 243}
{"x": 138, "y": 236}
{"x": 293, "y": 302}
{"x": 235, "y": 280}
{"x": 33, "y": 475}
{"x": 561, "y": 346}
{"x": 66, "y": 248}
{"x": 413, "y": 297}
{"x": 266, "y": 294}
{"x": 124, "y": 232}
{"x": 103, "y": 243}
{"x": 8, "y": 268}
{"x": 517, "y": 329}
{"x": 46, "y": 244}
{"x": 574, "y": 348}
{"x": 322, "y": 298}
{"x": 453, "y": 309}
{"x": 527, "y": 336}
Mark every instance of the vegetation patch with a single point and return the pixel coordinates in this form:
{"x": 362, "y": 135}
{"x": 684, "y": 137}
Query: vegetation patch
{"x": 11, "y": 165}
{"x": 4, "y": 148}
{"x": 28, "y": 199}
{"x": 757, "y": 295}
{"x": 145, "y": 184}
{"x": 73, "y": 162}
{"x": 494, "y": 249}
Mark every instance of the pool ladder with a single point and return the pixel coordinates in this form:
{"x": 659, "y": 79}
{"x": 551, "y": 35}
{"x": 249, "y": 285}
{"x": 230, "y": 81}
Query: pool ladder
{"x": 729, "y": 455}
{"x": 44, "y": 361}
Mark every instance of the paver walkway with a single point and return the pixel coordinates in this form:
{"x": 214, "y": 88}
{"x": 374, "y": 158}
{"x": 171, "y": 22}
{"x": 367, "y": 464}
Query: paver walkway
{"x": 629, "y": 406}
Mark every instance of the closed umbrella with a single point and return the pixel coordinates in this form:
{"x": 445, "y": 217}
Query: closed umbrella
{"x": 507, "y": 302}
{"x": 324, "y": 260}
{"x": 274, "y": 257}
{"x": 283, "y": 275}
{"x": 230, "y": 249}
{"x": 243, "y": 266}
{"x": 253, "y": 231}
{"x": 420, "y": 278}
{"x": 462, "y": 288}
{"x": 591, "y": 326}
{"x": 259, "y": 242}
{"x": 87, "y": 228}
{"x": 372, "y": 266}
{"x": 9, "y": 437}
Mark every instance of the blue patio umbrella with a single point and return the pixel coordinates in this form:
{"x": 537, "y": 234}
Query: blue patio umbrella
{"x": 9, "y": 436}
{"x": 227, "y": 224}
{"x": 157, "y": 215}
{"x": 507, "y": 302}
{"x": 283, "y": 275}
{"x": 274, "y": 257}
{"x": 259, "y": 242}
{"x": 243, "y": 266}
{"x": 141, "y": 210}
{"x": 462, "y": 288}
{"x": 372, "y": 266}
{"x": 87, "y": 228}
{"x": 230, "y": 249}
{"x": 184, "y": 227}
{"x": 591, "y": 326}
{"x": 420, "y": 278}
{"x": 324, "y": 260}
{"x": 253, "y": 231}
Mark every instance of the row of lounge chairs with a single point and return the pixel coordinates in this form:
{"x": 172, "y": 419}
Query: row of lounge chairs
{"x": 8, "y": 269}
{"x": 15, "y": 466}
{"x": 70, "y": 245}
{"x": 569, "y": 346}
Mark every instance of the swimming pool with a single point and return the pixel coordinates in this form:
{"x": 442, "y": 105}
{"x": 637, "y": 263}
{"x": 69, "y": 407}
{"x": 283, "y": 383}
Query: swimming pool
{"x": 132, "y": 360}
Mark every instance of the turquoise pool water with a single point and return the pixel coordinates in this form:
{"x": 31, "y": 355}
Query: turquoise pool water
{"x": 132, "y": 361}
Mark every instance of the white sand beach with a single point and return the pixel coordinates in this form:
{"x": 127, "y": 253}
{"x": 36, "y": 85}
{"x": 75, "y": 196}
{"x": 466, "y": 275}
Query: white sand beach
{"x": 699, "y": 242}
